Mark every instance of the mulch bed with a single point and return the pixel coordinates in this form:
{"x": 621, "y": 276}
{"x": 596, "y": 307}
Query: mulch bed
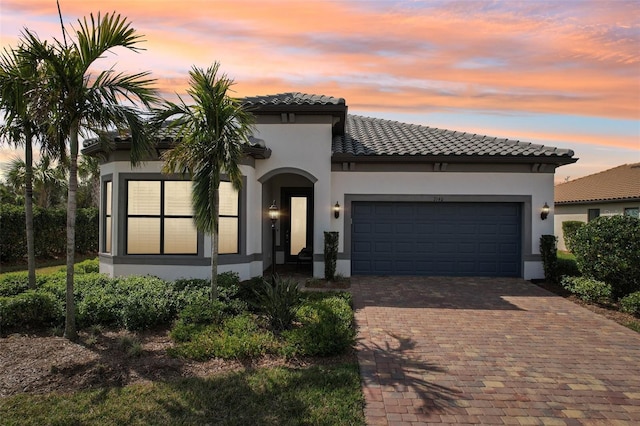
{"x": 37, "y": 363}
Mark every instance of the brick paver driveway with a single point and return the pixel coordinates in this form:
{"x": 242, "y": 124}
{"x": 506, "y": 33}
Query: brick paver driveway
{"x": 490, "y": 351}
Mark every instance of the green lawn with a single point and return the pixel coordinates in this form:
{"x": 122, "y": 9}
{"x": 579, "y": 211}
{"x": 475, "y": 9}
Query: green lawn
{"x": 566, "y": 255}
{"x": 44, "y": 266}
{"x": 325, "y": 395}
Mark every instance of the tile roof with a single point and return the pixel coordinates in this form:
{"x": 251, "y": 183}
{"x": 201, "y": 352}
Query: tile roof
{"x": 292, "y": 98}
{"x": 619, "y": 183}
{"x": 366, "y": 137}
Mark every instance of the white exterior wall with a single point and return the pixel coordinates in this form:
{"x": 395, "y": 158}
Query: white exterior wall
{"x": 303, "y": 147}
{"x": 442, "y": 184}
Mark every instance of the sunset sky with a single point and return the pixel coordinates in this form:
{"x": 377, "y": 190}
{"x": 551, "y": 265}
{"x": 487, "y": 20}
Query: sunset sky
{"x": 558, "y": 73}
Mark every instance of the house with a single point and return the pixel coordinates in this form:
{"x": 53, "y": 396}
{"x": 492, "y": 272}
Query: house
{"x": 405, "y": 199}
{"x": 611, "y": 192}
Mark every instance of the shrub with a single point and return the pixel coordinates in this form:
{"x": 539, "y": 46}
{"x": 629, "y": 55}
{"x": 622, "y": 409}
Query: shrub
{"x": 567, "y": 268}
{"x": 588, "y": 289}
{"x": 99, "y": 302}
{"x": 247, "y": 291}
{"x": 631, "y": 303}
{"x": 569, "y": 229}
{"x": 229, "y": 293}
{"x": 608, "y": 249}
{"x": 17, "y": 282}
{"x": 203, "y": 311}
{"x": 87, "y": 266}
{"x": 239, "y": 337}
{"x": 49, "y": 232}
{"x": 31, "y": 308}
{"x": 326, "y": 328}
{"x": 330, "y": 254}
{"x": 147, "y": 302}
{"x": 549, "y": 255}
{"x": 242, "y": 338}
{"x": 278, "y": 302}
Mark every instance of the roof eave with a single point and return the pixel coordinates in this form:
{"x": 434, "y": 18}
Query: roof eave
{"x": 598, "y": 201}
{"x": 558, "y": 161}
{"x": 257, "y": 152}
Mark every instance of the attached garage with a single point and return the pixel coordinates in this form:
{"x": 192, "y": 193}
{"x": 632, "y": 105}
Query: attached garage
{"x": 436, "y": 238}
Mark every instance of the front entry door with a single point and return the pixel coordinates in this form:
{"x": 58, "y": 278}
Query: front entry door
{"x": 297, "y": 221}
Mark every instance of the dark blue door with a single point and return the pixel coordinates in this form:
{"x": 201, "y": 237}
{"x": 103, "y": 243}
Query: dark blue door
{"x": 445, "y": 239}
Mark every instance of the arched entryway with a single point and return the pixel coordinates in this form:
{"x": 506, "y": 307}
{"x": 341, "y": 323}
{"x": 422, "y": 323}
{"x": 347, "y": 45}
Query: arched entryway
{"x": 293, "y": 192}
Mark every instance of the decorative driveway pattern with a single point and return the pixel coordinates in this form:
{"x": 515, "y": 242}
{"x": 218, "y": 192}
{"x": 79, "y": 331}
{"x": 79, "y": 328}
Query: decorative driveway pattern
{"x": 490, "y": 351}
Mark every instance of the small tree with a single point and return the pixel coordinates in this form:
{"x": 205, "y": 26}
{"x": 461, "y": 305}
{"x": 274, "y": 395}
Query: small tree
{"x": 74, "y": 98}
{"x": 211, "y": 138}
{"x": 608, "y": 249}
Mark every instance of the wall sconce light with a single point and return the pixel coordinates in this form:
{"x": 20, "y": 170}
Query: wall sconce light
{"x": 336, "y": 210}
{"x": 273, "y": 213}
{"x": 544, "y": 212}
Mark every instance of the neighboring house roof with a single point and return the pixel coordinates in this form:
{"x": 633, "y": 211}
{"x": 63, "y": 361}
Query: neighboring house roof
{"x": 374, "y": 137}
{"x": 618, "y": 184}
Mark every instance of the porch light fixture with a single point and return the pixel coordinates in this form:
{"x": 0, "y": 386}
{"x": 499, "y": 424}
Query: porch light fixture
{"x": 544, "y": 212}
{"x": 273, "y": 215}
{"x": 336, "y": 210}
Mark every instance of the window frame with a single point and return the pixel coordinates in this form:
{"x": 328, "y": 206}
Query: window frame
{"x": 107, "y": 232}
{"x": 592, "y": 214}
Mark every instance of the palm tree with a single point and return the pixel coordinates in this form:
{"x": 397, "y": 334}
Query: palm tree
{"x": 48, "y": 182}
{"x": 89, "y": 173}
{"x": 80, "y": 101}
{"x": 210, "y": 134}
{"x": 19, "y": 78}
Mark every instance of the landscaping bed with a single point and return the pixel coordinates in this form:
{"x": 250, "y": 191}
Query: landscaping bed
{"x": 37, "y": 363}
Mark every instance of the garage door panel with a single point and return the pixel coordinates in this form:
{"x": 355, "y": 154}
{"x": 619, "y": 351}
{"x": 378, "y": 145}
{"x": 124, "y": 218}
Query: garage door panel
{"x": 424, "y": 247}
{"x": 403, "y": 247}
{"x": 404, "y": 228}
{"x": 436, "y": 238}
{"x": 467, "y": 248}
{"x": 383, "y": 228}
{"x": 363, "y": 228}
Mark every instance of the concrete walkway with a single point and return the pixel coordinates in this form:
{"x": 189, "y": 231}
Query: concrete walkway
{"x": 490, "y": 351}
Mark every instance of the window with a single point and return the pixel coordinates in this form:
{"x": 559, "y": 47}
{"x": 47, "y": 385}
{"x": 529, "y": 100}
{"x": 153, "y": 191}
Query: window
{"x": 592, "y": 214}
{"x": 632, "y": 211}
{"x": 106, "y": 227}
{"x": 228, "y": 219}
{"x": 160, "y": 218}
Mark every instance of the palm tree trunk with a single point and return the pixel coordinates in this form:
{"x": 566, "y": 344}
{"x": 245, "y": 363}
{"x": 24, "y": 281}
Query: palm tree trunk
{"x": 214, "y": 247}
{"x": 28, "y": 209}
{"x": 70, "y": 331}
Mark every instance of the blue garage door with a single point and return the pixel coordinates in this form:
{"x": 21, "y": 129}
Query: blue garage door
{"x": 446, "y": 239}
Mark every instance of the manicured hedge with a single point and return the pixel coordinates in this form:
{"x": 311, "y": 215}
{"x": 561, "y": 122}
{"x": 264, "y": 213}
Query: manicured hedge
{"x": 608, "y": 249}
{"x": 50, "y": 234}
{"x": 569, "y": 228}
{"x": 30, "y": 309}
